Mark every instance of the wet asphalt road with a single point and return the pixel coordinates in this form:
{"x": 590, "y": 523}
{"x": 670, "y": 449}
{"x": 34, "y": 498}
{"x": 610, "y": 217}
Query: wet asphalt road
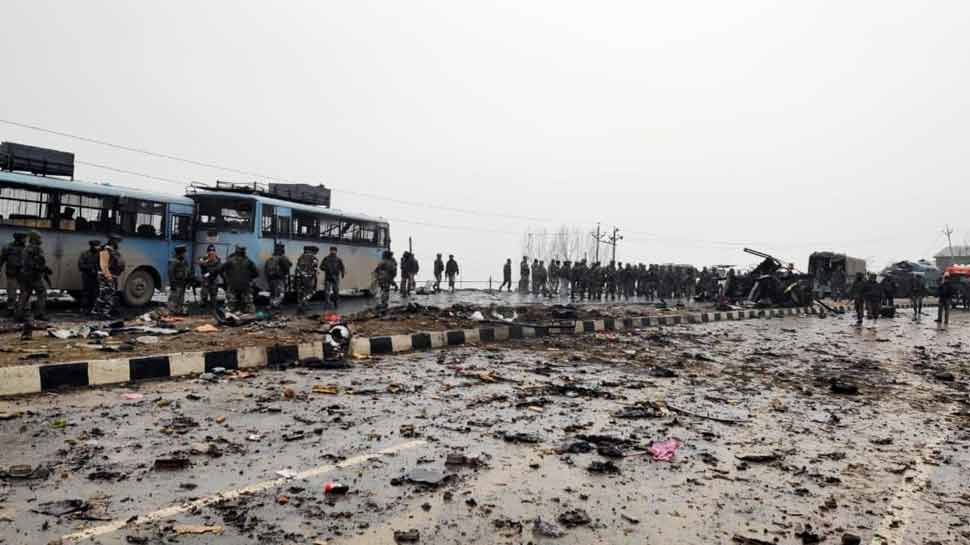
{"x": 889, "y": 464}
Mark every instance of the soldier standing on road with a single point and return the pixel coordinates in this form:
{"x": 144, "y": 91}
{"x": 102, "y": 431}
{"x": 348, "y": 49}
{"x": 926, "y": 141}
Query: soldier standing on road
{"x": 524, "y": 271}
{"x": 889, "y": 291}
{"x": 179, "y": 274}
{"x": 439, "y": 268}
{"x": 611, "y": 276}
{"x": 874, "y": 296}
{"x": 541, "y": 277}
{"x": 565, "y": 275}
{"x": 11, "y": 259}
{"x": 451, "y": 271}
{"x": 506, "y": 275}
{"x": 386, "y": 271}
{"x": 916, "y": 293}
{"x": 209, "y": 266}
{"x": 858, "y": 295}
{"x": 333, "y": 271}
{"x": 306, "y": 277}
{"x": 277, "y": 272}
{"x": 33, "y": 271}
{"x": 111, "y": 265}
{"x": 579, "y": 281}
{"x": 554, "y": 276}
{"x": 413, "y": 268}
{"x": 87, "y": 264}
{"x": 405, "y": 265}
{"x": 945, "y": 293}
{"x": 532, "y": 272}
{"x": 239, "y": 272}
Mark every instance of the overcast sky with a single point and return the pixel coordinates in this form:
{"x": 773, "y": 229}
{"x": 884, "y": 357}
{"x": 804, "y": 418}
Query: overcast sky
{"x": 695, "y": 127}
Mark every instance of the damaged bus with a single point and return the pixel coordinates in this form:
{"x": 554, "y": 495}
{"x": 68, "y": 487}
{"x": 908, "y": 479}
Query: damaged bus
{"x": 259, "y": 216}
{"x": 69, "y": 213}
{"x": 833, "y": 273}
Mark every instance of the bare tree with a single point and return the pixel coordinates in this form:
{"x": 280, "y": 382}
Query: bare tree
{"x": 567, "y": 242}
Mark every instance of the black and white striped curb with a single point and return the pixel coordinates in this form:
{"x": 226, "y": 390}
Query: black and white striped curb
{"x": 29, "y": 379}
{"x": 367, "y": 346}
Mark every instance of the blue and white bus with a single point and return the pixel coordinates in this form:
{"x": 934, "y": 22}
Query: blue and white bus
{"x": 68, "y": 213}
{"x": 229, "y": 214}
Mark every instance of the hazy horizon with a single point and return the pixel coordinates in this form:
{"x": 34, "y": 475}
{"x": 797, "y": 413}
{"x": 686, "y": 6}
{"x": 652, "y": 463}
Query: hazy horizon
{"x": 697, "y": 128}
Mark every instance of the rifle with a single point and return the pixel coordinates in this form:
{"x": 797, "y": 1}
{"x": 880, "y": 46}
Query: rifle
{"x": 47, "y": 277}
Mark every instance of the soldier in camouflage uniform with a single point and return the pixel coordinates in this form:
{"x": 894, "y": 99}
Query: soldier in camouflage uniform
{"x": 554, "y": 276}
{"x": 179, "y": 275}
{"x": 11, "y": 258}
{"x": 210, "y": 267}
{"x": 111, "y": 265}
{"x": 277, "y": 272}
{"x": 386, "y": 271}
{"x": 33, "y": 272}
{"x": 612, "y": 277}
{"x": 87, "y": 264}
{"x": 306, "y": 277}
{"x": 565, "y": 277}
{"x": 333, "y": 271}
{"x": 239, "y": 272}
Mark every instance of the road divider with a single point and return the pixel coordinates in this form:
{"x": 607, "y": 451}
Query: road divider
{"x": 32, "y": 379}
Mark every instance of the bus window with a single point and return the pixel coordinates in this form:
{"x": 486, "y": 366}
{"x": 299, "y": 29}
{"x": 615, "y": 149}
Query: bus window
{"x": 226, "y": 214}
{"x": 330, "y": 229}
{"x": 306, "y": 226}
{"x": 366, "y": 233}
{"x": 267, "y": 224}
{"x": 25, "y": 207}
{"x": 85, "y": 213}
{"x": 140, "y": 218}
{"x": 182, "y": 228}
{"x": 282, "y": 227}
{"x": 348, "y": 230}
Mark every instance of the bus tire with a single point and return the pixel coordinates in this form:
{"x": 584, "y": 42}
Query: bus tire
{"x": 139, "y": 288}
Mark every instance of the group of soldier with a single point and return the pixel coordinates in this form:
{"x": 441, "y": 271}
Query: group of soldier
{"x": 870, "y": 297}
{"x": 239, "y": 272}
{"x": 28, "y": 276}
{"x": 386, "y": 272}
{"x": 615, "y": 280}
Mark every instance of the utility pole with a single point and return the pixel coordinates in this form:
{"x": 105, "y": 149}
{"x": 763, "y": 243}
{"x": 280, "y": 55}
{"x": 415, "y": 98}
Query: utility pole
{"x": 948, "y": 231}
{"x": 599, "y": 239}
{"x": 614, "y": 239}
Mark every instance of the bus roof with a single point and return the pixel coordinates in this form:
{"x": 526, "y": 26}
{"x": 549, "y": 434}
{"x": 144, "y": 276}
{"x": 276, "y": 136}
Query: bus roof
{"x": 332, "y": 212}
{"x": 91, "y": 187}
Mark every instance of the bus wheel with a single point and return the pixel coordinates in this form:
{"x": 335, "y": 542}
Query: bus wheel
{"x": 139, "y": 289}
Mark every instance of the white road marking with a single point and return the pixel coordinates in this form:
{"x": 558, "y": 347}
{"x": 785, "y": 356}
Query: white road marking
{"x": 173, "y": 510}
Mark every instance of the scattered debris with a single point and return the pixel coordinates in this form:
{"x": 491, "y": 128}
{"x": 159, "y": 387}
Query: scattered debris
{"x": 196, "y": 529}
{"x": 546, "y": 529}
{"x": 171, "y": 464}
{"x": 407, "y": 536}
{"x": 574, "y": 517}
{"x": 664, "y": 451}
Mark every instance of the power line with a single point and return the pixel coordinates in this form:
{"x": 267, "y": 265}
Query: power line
{"x": 133, "y": 173}
{"x": 244, "y": 172}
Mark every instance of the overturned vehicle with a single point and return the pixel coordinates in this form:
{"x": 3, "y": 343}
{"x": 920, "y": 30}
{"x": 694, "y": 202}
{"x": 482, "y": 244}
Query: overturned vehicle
{"x": 771, "y": 283}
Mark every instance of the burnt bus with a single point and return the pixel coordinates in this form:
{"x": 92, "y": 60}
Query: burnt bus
{"x": 833, "y": 273}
